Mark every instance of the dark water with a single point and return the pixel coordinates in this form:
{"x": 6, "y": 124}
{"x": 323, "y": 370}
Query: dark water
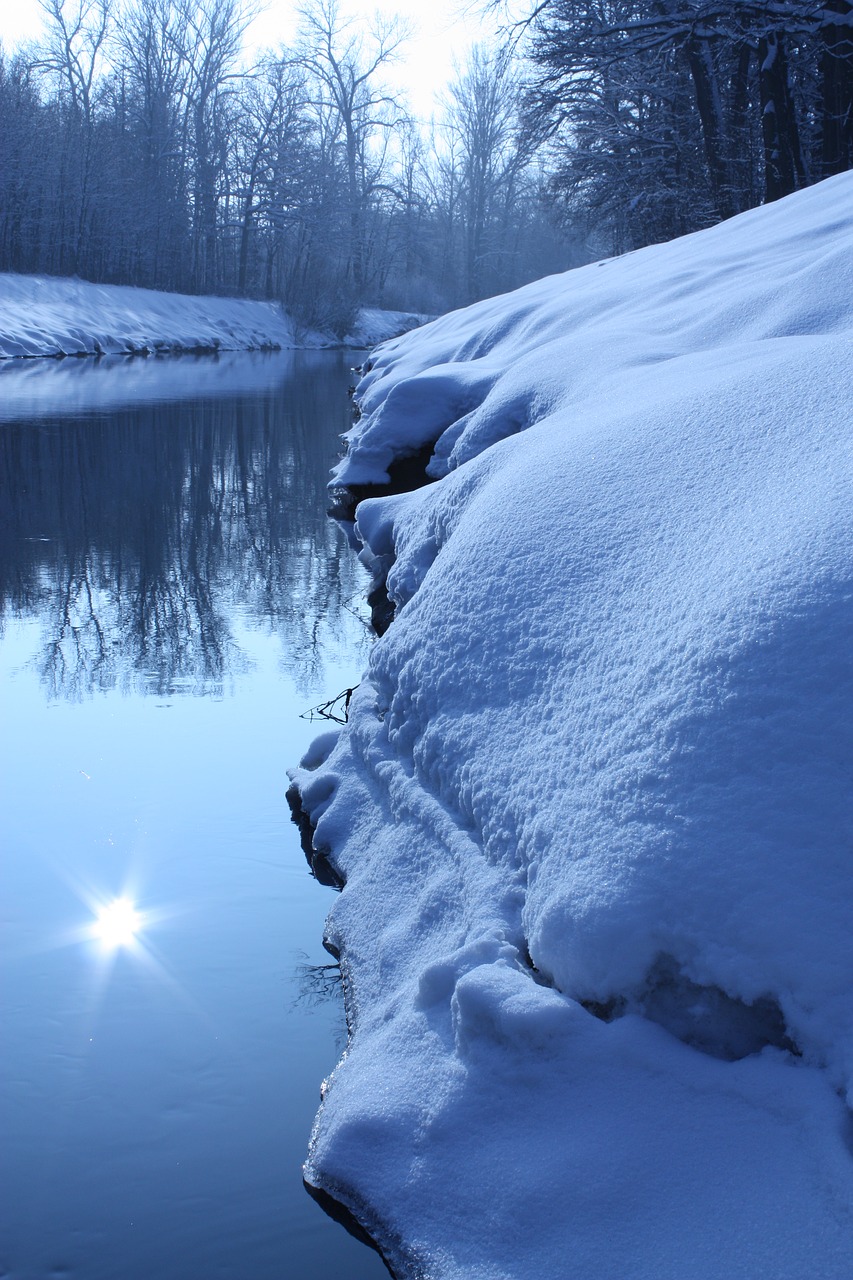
{"x": 172, "y": 596}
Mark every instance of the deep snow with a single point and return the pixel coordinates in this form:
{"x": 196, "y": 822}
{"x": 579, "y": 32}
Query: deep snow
{"x": 51, "y": 316}
{"x": 593, "y": 803}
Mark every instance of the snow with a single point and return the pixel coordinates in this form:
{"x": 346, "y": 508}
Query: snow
{"x": 593, "y": 802}
{"x": 51, "y": 316}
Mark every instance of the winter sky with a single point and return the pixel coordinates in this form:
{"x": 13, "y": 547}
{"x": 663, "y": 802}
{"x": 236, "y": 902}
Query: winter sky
{"x": 441, "y": 32}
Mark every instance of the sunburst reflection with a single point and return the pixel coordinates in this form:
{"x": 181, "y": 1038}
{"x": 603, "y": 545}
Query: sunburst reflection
{"x": 118, "y": 922}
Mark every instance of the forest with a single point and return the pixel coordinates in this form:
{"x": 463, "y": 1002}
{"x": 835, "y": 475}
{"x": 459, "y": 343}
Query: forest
{"x": 140, "y": 144}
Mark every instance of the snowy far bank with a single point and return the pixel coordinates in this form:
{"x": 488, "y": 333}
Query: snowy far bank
{"x": 594, "y": 802}
{"x": 48, "y": 316}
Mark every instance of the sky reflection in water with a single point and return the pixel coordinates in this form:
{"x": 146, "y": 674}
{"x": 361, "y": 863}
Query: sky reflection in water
{"x": 172, "y": 596}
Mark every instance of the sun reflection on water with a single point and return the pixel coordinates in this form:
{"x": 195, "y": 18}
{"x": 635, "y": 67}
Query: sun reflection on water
{"x": 117, "y": 924}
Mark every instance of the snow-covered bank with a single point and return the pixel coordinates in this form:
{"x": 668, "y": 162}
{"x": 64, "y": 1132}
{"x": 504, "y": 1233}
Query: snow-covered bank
{"x": 594, "y": 803}
{"x": 48, "y": 316}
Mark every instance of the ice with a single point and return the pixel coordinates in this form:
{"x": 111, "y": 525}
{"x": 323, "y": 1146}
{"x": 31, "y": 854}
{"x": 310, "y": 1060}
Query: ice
{"x": 593, "y": 802}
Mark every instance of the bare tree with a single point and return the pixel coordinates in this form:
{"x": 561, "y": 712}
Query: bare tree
{"x": 273, "y": 165}
{"x": 345, "y": 64}
{"x": 73, "y": 47}
{"x": 27, "y": 158}
{"x": 152, "y": 65}
{"x": 482, "y": 113}
{"x": 72, "y": 52}
{"x": 211, "y": 42}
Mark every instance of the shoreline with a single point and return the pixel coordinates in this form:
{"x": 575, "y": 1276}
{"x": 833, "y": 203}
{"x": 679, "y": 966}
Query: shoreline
{"x": 586, "y": 802}
{"x": 54, "y": 317}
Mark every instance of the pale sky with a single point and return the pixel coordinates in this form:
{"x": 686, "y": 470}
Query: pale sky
{"x": 442, "y": 30}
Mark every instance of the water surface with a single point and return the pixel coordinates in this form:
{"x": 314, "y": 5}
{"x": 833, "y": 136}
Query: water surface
{"x": 172, "y": 597}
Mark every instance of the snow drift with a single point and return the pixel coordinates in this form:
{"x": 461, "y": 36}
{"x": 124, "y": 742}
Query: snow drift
{"x": 593, "y": 804}
{"x": 49, "y": 316}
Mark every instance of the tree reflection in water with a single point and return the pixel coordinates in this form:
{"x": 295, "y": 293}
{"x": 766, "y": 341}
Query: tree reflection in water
{"x": 141, "y": 536}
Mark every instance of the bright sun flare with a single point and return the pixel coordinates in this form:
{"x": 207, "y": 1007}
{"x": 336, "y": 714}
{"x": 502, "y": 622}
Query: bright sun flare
{"x": 118, "y": 923}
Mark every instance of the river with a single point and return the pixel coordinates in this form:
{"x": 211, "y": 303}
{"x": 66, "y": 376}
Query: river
{"x": 172, "y": 599}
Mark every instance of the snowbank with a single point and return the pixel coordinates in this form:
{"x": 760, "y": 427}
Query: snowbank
{"x": 593, "y": 803}
{"x": 374, "y": 325}
{"x": 48, "y": 316}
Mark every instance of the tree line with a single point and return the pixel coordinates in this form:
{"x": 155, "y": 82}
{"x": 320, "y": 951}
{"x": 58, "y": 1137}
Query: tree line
{"x": 137, "y": 147}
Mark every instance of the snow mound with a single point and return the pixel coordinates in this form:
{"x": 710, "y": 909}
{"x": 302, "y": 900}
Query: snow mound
{"x": 783, "y": 271}
{"x": 594, "y": 804}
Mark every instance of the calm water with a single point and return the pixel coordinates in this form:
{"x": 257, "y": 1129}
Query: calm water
{"x": 172, "y": 597}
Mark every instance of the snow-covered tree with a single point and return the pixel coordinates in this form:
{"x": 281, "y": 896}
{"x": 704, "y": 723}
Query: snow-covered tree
{"x": 696, "y": 109}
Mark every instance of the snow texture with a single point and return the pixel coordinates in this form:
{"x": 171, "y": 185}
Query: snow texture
{"x": 593, "y": 803}
{"x": 48, "y": 316}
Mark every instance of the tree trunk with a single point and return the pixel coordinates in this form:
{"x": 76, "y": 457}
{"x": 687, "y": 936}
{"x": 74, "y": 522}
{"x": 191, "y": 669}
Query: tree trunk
{"x": 710, "y": 111}
{"x": 738, "y": 133}
{"x": 356, "y": 218}
{"x": 836, "y": 83}
{"x": 783, "y": 164}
